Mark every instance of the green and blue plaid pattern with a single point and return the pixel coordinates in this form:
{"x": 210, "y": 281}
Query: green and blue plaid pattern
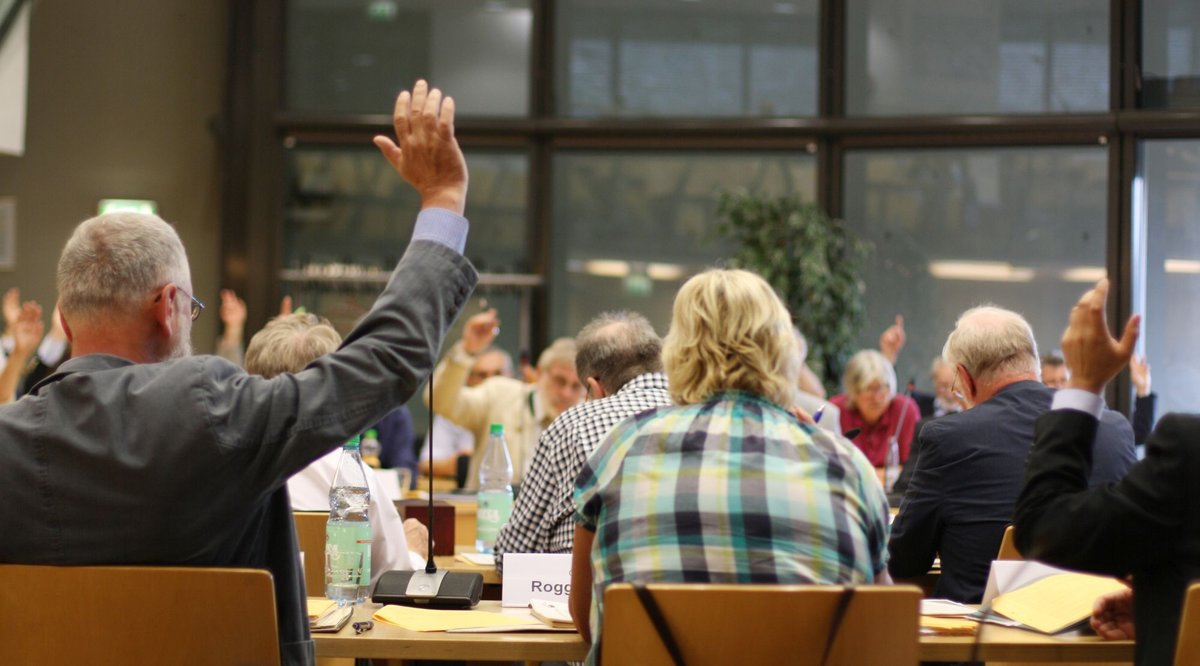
{"x": 732, "y": 490}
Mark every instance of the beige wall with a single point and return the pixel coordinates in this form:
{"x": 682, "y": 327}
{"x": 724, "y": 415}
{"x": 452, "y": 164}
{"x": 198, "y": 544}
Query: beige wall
{"x": 121, "y": 98}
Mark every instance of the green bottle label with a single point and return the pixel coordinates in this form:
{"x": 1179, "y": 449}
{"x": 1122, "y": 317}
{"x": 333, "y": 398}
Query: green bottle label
{"x": 347, "y": 553}
{"x": 495, "y": 508}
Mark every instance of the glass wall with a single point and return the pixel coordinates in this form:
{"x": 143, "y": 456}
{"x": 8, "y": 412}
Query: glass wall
{"x": 622, "y": 119}
{"x": 1167, "y": 220}
{"x": 992, "y": 56}
{"x": 353, "y": 56}
{"x": 1022, "y": 228}
{"x": 1170, "y": 54}
{"x": 631, "y": 227}
{"x": 667, "y": 58}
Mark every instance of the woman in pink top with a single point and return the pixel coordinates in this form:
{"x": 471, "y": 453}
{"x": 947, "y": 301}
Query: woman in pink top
{"x": 871, "y": 406}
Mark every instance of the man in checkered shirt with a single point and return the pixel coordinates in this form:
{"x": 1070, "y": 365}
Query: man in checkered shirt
{"x": 620, "y": 360}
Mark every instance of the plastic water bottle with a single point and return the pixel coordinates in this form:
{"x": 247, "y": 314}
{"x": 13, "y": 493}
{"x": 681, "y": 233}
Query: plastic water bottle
{"x": 371, "y": 449}
{"x": 348, "y": 532}
{"x": 891, "y": 465}
{"x": 495, "y": 490}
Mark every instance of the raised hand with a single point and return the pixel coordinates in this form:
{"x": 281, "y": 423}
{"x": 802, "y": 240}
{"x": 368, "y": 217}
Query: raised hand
{"x": 425, "y": 152}
{"x": 12, "y": 308}
{"x": 1093, "y": 355}
{"x": 1139, "y": 374}
{"x": 892, "y": 340}
{"x": 233, "y": 310}
{"x": 480, "y": 330}
{"x": 285, "y": 306}
{"x": 27, "y": 331}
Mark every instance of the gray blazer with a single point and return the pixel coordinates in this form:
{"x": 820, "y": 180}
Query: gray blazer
{"x": 186, "y": 461}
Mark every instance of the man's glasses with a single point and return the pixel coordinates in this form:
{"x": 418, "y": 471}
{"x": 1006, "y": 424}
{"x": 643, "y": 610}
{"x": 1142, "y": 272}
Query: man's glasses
{"x": 197, "y": 304}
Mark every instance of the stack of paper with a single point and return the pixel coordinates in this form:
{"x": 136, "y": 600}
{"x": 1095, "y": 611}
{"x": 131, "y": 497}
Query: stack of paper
{"x": 430, "y": 619}
{"x": 325, "y": 616}
{"x": 554, "y": 613}
{"x": 948, "y": 626}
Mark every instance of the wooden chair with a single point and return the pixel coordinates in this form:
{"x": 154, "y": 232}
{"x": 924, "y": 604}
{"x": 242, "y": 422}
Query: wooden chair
{"x": 1187, "y": 650}
{"x": 1008, "y": 549}
{"x": 60, "y": 615}
{"x": 310, "y": 535}
{"x": 763, "y": 624}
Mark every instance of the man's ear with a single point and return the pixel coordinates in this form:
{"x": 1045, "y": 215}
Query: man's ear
{"x": 967, "y": 382}
{"x": 595, "y": 390}
{"x": 163, "y": 309}
{"x": 62, "y": 321}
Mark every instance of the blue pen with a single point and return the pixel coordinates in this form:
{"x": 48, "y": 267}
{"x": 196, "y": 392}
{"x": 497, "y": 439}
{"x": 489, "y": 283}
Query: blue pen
{"x": 819, "y": 412}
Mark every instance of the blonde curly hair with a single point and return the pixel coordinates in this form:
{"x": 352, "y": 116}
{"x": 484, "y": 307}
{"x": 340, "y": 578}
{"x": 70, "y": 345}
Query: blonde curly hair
{"x": 730, "y": 331}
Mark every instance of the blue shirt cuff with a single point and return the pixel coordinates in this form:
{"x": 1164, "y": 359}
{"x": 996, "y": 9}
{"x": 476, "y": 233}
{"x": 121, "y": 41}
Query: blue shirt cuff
{"x": 1079, "y": 400}
{"x": 442, "y": 226}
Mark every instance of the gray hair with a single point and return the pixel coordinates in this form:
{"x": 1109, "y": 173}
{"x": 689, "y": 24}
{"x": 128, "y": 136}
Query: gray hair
{"x": 990, "y": 341}
{"x": 112, "y": 262}
{"x": 865, "y": 368}
{"x": 617, "y": 346}
{"x": 288, "y": 343}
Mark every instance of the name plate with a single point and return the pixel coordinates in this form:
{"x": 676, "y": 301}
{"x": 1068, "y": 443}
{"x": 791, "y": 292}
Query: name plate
{"x": 535, "y": 576}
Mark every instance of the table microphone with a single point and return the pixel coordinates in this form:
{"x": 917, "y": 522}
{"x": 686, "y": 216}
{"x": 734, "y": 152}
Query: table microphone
{"x": 433, "y": 587}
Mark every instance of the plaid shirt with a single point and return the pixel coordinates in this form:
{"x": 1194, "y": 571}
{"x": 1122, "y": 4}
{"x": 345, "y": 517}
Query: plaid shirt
{"x": 732, "y": 490}
{"x": 542, "y": 519}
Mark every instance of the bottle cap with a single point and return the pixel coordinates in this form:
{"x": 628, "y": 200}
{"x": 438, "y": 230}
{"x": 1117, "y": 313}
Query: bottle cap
{"x": 352, "y": 443}
{"x": 496, "y": 429}
{"x": 371, "y": 434}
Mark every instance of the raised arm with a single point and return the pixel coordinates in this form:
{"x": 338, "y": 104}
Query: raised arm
{"x": 27, "y": 332}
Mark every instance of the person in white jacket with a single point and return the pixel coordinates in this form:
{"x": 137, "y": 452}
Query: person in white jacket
{"x": 287, "y": 344}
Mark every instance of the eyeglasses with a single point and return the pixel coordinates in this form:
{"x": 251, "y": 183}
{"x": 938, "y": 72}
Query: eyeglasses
{"x": 197, "y": 304}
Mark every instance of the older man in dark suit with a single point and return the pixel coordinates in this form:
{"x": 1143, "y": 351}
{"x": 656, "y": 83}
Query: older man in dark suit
{"x": 1146, "y": 526}
{"x": 972, "y": 463}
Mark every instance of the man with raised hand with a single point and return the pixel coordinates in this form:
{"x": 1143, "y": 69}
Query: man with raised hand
{"x": 1147, "y": 525}
{"x": 136, "y": 452}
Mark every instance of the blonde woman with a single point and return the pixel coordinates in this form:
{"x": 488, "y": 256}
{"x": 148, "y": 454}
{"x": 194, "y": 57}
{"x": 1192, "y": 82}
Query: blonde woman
{"x": 870, "y": 406}
{"x": 725, "y": 486}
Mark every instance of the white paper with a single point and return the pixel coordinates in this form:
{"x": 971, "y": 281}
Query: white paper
{"x": 944, "y": 608}
{"x": 530, "y": 575}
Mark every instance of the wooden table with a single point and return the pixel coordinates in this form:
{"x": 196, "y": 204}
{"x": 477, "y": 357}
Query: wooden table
{"x": 389, "y": 642}
{"x": 1006, "y": 644}
{"x": 385, "y": 641}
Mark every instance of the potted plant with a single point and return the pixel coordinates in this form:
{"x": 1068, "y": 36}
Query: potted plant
{"x": 812, "y": 261}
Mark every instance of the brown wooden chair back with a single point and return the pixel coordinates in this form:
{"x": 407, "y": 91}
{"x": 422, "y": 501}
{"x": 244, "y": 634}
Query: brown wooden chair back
{"x": 1008, "y": 549}
{"x": 1187, "y": 650}
{"x": 310, "y": 536}
{"x": 763, "y": 624}
{"x": 71, "y": 615}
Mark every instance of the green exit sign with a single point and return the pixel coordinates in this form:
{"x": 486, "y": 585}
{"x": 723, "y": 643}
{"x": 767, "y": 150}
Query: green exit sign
{"x": 128, "y": 206}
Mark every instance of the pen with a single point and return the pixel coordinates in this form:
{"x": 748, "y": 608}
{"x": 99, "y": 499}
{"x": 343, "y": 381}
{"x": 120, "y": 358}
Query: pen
{"x": 820, "y": 411}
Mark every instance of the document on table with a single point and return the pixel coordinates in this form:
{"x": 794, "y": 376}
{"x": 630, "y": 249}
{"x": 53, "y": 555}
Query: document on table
{"x": 1055, "y": 603}
{"x": 479, "y": 559}
{"x": 428, "y": 619}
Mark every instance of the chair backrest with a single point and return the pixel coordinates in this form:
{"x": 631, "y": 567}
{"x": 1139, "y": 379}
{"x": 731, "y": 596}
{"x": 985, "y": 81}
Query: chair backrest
{"x": 60, "y": 615}
{"x": 1008, "y": 549}
{"x": 1187, "y": 649}
{"x": 310, "y": 535}
{"x": 767, "y": 624}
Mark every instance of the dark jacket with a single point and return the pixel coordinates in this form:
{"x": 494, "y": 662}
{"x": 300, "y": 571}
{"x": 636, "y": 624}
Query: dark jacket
{"x": 1147, "y": 525}
{"x": 966, "y": 484}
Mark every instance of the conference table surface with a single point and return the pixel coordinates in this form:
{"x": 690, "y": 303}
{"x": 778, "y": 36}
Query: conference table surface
{"x": 385, "y": 641}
